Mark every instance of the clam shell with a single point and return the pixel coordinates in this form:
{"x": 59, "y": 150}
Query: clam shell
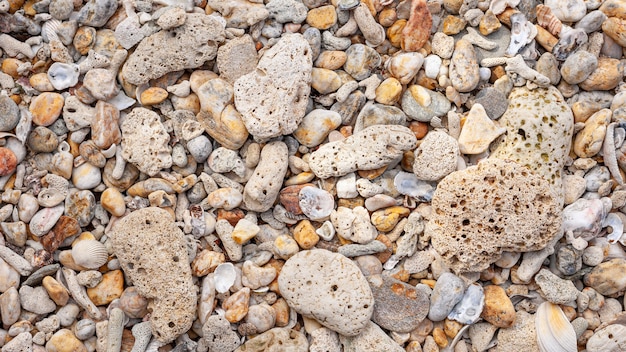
{"x": 554, "y": 331}
{"x": 315, "y": 203}
{"x": 468, "y": 310}
{"x": 224, "y": 276}
{"x": 90, "y": 254}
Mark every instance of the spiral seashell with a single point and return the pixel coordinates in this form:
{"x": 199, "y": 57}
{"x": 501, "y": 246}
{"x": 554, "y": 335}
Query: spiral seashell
{"x": 547, "y": 20}
{"x": 90, "y": 254}
{"x": 554, "y": 331}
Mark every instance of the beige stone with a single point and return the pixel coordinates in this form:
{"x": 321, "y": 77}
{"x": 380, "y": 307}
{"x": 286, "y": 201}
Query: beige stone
{"x": 478, "y": 131}
{"x": 322, "y": 17}
{"x": 325, "y": 81}
{"x": 588, "y": 141}
{"x": 109, "y": 289}
{"x": 389, "y": 91}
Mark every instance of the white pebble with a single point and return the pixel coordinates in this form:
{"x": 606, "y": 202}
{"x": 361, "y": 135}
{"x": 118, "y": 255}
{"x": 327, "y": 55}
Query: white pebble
{"x": 432, "y": 63}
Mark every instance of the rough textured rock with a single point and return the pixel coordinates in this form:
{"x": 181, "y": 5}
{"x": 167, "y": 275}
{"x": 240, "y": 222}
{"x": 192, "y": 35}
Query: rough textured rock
{"x": 218, "y": 335}
{"x": 489, "y": 208}
{"x": 183, "y": 47}
{"x": 145, "y": 141}
{"x": 263, "y": 187}
{"x": 398, "y": 306}
{"x": 522, "y": 336}
{"x": 373, "y": 338}
{"x": 153, "y": 253}
{"x": 328, "y": 287}
{"x": 373, "y": 147}
{"x": 608, "y": 278}
{"x": 539, "y": 135}
{"x": 272, "y": 99}
{"x": 236, "y": 58}
{"x": 239, "y": 13}
{"x": 276, "y": 340}
{"x": 436, "y": 157}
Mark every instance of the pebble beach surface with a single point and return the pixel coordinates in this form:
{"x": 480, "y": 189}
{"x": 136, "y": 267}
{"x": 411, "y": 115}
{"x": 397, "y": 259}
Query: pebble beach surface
{"x": 312, "y": 175}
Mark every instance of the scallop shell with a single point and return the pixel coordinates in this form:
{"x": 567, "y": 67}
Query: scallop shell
{"x": 468, "y": 310}
{"x": 315, "y": 203}
{"x": 90, "y": 254}
{"x": 49, "y": 30}
{"x": 554, "y": 331}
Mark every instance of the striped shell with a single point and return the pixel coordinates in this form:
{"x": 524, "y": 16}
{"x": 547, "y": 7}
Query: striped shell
{"x": 49, "y": 30}
{"x": 554, "y": 331}
{"x": 547, "y": 20}
{"x": 90, "y": 254}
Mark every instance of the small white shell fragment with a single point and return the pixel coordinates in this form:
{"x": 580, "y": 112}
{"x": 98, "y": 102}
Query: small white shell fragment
{"x": 554, "y": 331}
{"x": 615, "y": 227}
{"x": 315, "y": 203}
{"x": 408, "y": 184}
{"x": 63, "y": 76}
{"x": 326, "y": 231}
{"x": 468, "y": 310}
{"x": 224, "y": 276}
{"x": 90, "y": 254}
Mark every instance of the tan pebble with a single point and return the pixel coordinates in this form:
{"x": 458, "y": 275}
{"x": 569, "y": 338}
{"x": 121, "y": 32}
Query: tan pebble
{"x": 153, "y": 95}
{"x": 206, "y": 262}
{"x": 285, "y": 246}
{"x": 289, "y": 198}
{"x": 607, "y": 76}
{"x": 41, "y": 82}
{"x": 424, "y": 81}
{"x": 200, "y": 77}
{"x": 489, "y": 23}
{"x": 15, "y": 5}
{"x": 65, "y": 258}
{"x": 84, "y": 39}
{"x": 325, "y": 81}
{"x": 227, "y": 129}
{"x": 55, "y": 290}
{"x": 385, "y": 255}
{"x": 350, "y": 202}
{"x": 304, "y": 233}
{"x": 8, "y": 161}
{"x": 244, "y": 231}
{"x": 545, "y": 38}
{"x": 387, "y": 17}
{"x": 478, "y": 131}
{"x": 282, "y": 312}
{"x": 584, "y": 109}
{"x": 232, "y": 216}
{"x": 113, "y": 201}
{"x": 109, "y": 289}
{"x": 322, "y": 17}
{"x": 10, "y": 65}
{"x": 417, "y": 30}
{"x": 236, "y": 306}
{"x": 588, "y": 141}
{"x": 570, "y": 312}
{"x": 389, "y": 91}
{"x": 46, "y": 108}
{"x": 616, "y": 29}
{"x": 419, "y": 129}
{"x": 190, "y": 102}
{"x": 65, "y": 341}
{"x": 498, "y": 310}
{"x": 386, "y": 219}
{"x": 331, "y": 59}
{"x": 451, "y": 327}
{"x": 453, "y": 25}
{"x": 440, "y": 337}
{"x": 105, "y": 130}
{"x": 316, "y": 126}
{"x": 28, "y": 7}
{"x": 372, "y": 174}
{"x": 394, "y": 33}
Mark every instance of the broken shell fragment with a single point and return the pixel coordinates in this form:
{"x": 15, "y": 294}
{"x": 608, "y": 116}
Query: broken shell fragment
{"x": 408, "y": 184}
{"x": 468, "y": 310}
{"x": 63, "y": 76}
{"x": 224, "y": 276}
{"x": 315, "y": 203}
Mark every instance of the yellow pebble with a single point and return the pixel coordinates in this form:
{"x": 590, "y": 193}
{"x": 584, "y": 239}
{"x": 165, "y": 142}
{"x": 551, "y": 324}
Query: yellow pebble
{"x": 386, "y": 219}
{"x": 304, "y": 234}
{"x": 46, "y": 108}
{"x": 322, "y": 17}
{"x": 153, "y": 95}
{"x": 389, "y": 91}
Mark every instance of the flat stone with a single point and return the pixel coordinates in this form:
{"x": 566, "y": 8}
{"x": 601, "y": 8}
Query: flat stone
{"x": 398, "y": 306}
{"x": 478, "y": 131}
{"x": 423, "y": 108}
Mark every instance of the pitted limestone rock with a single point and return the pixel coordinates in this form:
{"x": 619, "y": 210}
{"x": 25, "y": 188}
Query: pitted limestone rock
{"x": 436, "y": 157}
{"x": 153, "y": 253}
{"x": 370, "y": 149}
{"x": 539, "y": 128}
{"x": 145, "y": 141}
{"x": 262, "y": 188}
{"x": 184, "y": 47}
{"x": 489, "y": 208}
{"x": 328, "y": 287}
{"x": 273, "y": 98}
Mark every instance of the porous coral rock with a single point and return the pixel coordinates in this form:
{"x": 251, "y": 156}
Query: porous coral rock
{"x": 145, "y": 141}
{"x": 489, "y": 208}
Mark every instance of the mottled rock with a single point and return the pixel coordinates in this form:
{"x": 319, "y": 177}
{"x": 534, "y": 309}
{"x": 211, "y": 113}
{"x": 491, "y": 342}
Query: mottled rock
{"x": 607, "y": 278}
{"x": 373, "y": 338}
{"x": 578, "y": 66}
{"x": 521, "y": 336}
{"x": 316, "y": 126}
{"x": 218, "y": 335}
{"x": 328, "y": 287}
{"x": 464, "y": 67}
{"x": 423, "y": 104}
{"x": 262, "y": 188}
{"x": 436, "y": 157}
{"x": 272, "y": 99}
{"x": 276, "y": 340}
{"x": 448, "y": 291}
{"x": 498, "y": 309}
{"x": 183, "y": 47}
{"x": 361, "y": 61}
{"x": 145, "y": 141}
{"x": 239, "y": 13}
{"x": 478, "y": 131}
{"x": 153, "y": 253}
{"x": 589, "y": 140}
{"x": 398, "y": 306}
{"x": 237, "y": 57}
{"x": 482, "y": 211}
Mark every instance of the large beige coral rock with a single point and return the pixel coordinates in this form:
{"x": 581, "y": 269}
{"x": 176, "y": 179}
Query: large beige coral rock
{"x": 153, "y": 253}
{"x": 489, "y": 208}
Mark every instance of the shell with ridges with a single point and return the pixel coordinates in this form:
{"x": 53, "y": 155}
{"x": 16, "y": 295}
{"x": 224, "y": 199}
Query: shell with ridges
{"x": 547, "y": 20}
{"x": 554, "y": 331}
{"x": 90, "y": 254}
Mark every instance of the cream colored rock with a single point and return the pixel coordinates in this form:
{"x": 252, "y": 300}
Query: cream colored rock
{"x": 112, "y": 201}
{"x": 325, "y": 81}
{"x": 262, "y": 188}
{"x": 370, "y": 149}
{"x": 404, "y": 66}
{"x": 145, "y": 141}
{"x": 65, "y": 341}
{"x": 436, "y": 157}
{"x": 478, "y": 131}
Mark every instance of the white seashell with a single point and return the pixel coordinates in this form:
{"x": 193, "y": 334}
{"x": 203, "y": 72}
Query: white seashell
{"x": 408, "y": 184}
{"x": 583, "y": 218}
{"x": 554, "y": 331}
{"x": 468, "y": 310}
{"x": 63, "y": 76}
{"x": 90, "y": 254}
{"x": 121, "y": 101}
{"x": 615, "y": 227}
{"x": 326, "y": 231}
{"x": 49, "y": 30}
{"x": 224, "y": 276}
{"x": 522, "y": 33}
{"x": 315, "y": 203}
{"x": 45, "y": 219}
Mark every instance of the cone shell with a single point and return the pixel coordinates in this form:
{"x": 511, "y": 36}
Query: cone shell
{"x": 554, "y": 331}
{"x": 90, "y": 254}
